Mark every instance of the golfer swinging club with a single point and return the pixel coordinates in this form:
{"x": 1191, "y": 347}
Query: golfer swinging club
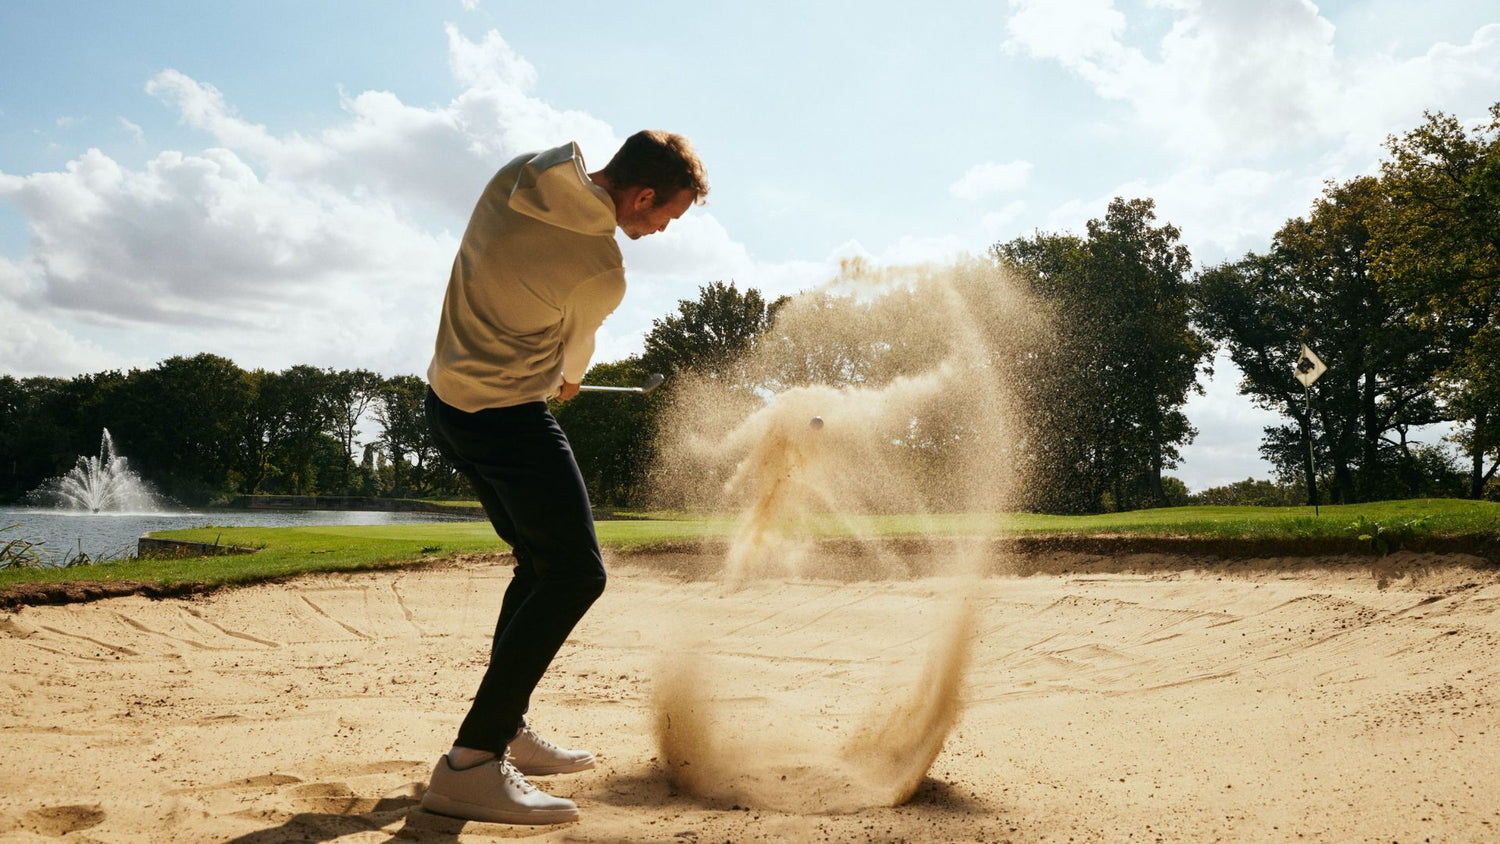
{"x": 537, "y": 272}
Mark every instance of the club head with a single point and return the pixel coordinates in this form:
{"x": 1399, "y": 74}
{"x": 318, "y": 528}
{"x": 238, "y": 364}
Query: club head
{"x": 653, "y": 382}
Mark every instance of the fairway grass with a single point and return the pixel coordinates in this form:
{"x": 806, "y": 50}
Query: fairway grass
{"x": 288, "y": 551}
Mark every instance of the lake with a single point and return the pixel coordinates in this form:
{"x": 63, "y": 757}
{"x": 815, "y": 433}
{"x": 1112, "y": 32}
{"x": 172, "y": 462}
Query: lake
{"x": 64, "y": 533}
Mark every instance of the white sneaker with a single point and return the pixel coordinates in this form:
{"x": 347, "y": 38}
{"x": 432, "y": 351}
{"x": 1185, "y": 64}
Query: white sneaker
{"x": 534, "y": 756}
{"x": 493, "y": 791}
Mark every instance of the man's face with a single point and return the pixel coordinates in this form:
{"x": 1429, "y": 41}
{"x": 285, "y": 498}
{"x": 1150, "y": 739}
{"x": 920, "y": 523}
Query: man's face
{"x": 642, "y": 216}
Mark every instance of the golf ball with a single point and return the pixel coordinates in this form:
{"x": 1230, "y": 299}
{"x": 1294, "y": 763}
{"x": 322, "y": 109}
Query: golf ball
{"x": 817, "y": 422}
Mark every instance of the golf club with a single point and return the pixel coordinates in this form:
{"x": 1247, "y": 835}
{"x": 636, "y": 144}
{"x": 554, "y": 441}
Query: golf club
{"x": 651, "y": 383}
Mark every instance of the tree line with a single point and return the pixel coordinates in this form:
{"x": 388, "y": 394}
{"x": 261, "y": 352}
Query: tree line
{"x": 201, "y": 428}
{"x": 1394, "y": 279}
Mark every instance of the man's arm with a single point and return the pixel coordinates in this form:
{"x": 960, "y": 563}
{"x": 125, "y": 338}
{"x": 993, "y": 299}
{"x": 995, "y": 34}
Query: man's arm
{"x": 585, "y": 311}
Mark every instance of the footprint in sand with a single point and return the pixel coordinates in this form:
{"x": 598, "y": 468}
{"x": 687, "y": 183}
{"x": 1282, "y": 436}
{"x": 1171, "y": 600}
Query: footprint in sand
{"x": 292, "y": 794}
{"x": 249, "y": 783}
{"x": 57, "y": 821}
{"x": 328, "y": 798}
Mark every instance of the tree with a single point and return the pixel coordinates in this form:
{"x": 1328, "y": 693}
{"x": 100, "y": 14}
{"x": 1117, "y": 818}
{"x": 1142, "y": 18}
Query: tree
{"x": 297, "y": 408}
{"x": 1065, "y": 423}
{"x": 1315, "y": 285}
{"x": 1162, "y": 351}
{"x": 38, "y": 436}
{"x": 1249, "y": 492}
{"x": 177, "y": 422}
{"x": 414, "y": 464}
{"x": 13, "y": 409}
{"x": 47, "y": 423}
{"x": 350, "y": 394}
{"x": 1436, "y": 249}
{"x": 612, "y": 435}
{"x": 710, "y": 334}
{"x": 258, "y": 429}
{"x": 369, "y": 471}
{"x": 708, "y": 337}
{"x": 1107, "y": 387}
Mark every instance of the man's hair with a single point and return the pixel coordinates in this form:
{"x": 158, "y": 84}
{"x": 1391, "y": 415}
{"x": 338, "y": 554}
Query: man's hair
{"x": 662, "y": 161}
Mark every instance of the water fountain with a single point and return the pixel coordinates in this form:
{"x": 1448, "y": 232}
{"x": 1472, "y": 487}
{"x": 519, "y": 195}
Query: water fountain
{"x": 102, "y": 484}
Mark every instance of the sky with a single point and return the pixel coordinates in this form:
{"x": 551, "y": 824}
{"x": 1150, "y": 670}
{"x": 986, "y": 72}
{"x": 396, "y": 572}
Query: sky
{"x": 285, "y": 182}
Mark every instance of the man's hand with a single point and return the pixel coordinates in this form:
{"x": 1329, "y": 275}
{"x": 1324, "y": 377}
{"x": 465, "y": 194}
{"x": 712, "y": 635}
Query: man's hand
{"x": 568, "y": 391}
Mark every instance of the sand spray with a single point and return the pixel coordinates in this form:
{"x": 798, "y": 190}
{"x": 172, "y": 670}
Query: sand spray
{"x": 883, "y": 395}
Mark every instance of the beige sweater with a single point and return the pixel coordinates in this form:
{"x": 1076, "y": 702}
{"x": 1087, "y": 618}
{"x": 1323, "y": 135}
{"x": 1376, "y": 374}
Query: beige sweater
{"x": 536, "y": 274}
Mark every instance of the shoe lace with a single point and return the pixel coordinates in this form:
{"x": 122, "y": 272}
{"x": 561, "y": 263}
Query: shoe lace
{"x": 513, "y": 776}
{"x": 546, "y": 745}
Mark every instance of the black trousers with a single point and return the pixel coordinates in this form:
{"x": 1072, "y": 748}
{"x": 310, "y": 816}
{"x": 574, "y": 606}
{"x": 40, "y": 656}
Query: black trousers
{"x": 522, "y": 469}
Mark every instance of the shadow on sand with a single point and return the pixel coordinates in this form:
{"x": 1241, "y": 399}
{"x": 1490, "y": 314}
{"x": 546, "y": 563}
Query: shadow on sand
{"x": 646, "y": 789}
{"x": 415, "y": 825}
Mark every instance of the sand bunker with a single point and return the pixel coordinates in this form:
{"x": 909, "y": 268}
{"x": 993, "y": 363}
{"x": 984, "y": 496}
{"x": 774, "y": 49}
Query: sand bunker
{"x": 1248, "y": 700}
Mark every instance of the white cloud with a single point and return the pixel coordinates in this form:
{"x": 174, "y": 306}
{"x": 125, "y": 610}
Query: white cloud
{"x": 1250, "y": 77}
{"x": 13, "y": 285}
{"x": 984, "y": 179}
{"x": 489, "y": 64}
{"x": 438, "y": 156}
{"x": 932, "y": 249}
{"x": 190, "y": 235}
{"x": 1194, "y": 199}
{"x": 994, "y": 225}
{"x": 197, "y": 253}
{"x": 331, "y": 248}
{"x": 37, "y": 347}
{"x": 202, "y": 106}
{"x": 133, "y": 130}
{"x": 32, "y": 344}
{"x": 1227, "y": 448}
{"x": 666, "y": 268}
{"x": 1077, "y": 33}
{"x": 695, "y": 248}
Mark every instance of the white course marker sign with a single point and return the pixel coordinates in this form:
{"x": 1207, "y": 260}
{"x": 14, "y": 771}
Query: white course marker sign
{"x": 1309, "y": 366}
{"x": 1307, "y": 369}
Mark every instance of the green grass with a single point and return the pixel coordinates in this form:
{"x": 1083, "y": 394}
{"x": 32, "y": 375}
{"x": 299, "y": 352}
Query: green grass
{"x": 1441, "y": 517}
{"x": 295, "y": 550}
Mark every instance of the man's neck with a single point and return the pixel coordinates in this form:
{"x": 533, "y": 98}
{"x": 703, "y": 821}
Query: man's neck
{"x": 599, "y": 178}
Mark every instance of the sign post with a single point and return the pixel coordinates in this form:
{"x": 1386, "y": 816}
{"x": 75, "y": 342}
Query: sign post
{"x": 1309, "y": 366}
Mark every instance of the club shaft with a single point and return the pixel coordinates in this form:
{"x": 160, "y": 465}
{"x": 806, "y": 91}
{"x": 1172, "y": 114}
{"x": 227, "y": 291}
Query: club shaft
{"x": 594, "y": 388}
{"x": 651, "y": 383}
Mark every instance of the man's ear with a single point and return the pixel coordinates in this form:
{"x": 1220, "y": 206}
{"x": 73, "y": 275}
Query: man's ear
{"x": 645, "y": 199}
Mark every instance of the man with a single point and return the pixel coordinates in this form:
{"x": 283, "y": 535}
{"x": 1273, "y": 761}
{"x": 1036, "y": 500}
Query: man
{"x": 537, "y": 272}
